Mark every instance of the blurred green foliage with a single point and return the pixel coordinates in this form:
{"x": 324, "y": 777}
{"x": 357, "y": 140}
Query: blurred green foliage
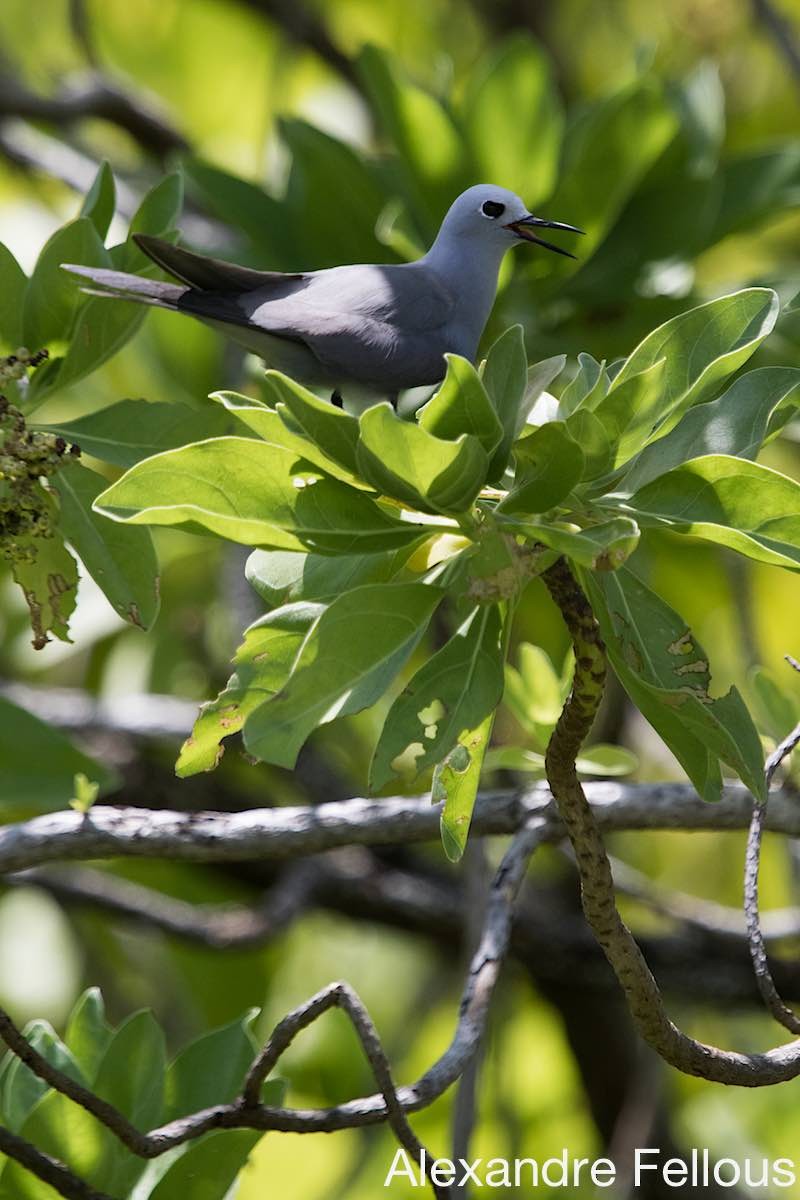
{"x": 670, "y": 134}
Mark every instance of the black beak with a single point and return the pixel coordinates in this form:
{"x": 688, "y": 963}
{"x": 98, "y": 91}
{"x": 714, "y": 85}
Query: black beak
{"x": 522, "y": 227}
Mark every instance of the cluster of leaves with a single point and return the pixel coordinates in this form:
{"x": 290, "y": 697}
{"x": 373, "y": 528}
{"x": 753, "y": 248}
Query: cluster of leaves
{"x": 127, "y": 1066}
{"x": 366, "y": 526}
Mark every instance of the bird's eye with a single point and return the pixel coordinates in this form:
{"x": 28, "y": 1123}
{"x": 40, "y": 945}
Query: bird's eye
{"x": 492, "y": 209}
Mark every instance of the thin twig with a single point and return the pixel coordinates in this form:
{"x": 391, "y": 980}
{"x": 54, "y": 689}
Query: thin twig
{"x": 340, "y": 995}
{"x": 48, "y": 1169}
{"x": 752, "y": 863}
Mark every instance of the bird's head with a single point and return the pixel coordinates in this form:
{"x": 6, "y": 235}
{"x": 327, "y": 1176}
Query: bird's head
{"x": 498, "y": 216}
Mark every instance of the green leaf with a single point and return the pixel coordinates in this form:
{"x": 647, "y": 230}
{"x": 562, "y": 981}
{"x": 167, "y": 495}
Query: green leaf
{"x": 540, "y": 376}
{"x": 735, "y": 424}
{"x": 777, "y": 709}
{"x": 102, "y": 328}
{"x": 461, "y": 405}
{"x": 666, "y": 673}
{"x": 429, "y": 147}
{"x": 50, "y": 586}
{"x": 701, "y": 103}
{"x": 451, "y": 694}
{"x": 53, "y": 297}
{"x": 131, "y": 1073}
{"x": 513, "y": 118}
{"x": 549, "y": 466}
{"x": 101, "y": 200}
{"x": 505, "y": 376}
{"x": 340, "y": 670}
{"x": 40, "y": 763}
{"x": 702, "y": 347}
{"x": 120, "y": 559}
{"x": 211, "y": 1070}
{"x": 332, "y": 430}
{"x": 407, "y": 462}
{"x": 594, "y": 439}
{"x": 607, "y": 151}
{"x": 590, "y": 381}
{"x": 208, "y": 1168}
{"x": 88, "y": 1033}
{"x": 157, "y": 215}
{"x": 253, "y": 493}
{"x": 534, "y": 693}
{"x": 21, "y": 1088}
{"x": 283, "y": 576}
{"x": 331, "y": 233}
{"x": 602, "y": 547}
{"x": 455, "y": 784}
{"x": 130, "y": 430}
{"x": 246, "y": 207}
{"x": 264, "y": 662}
{"x": 630, "y": 409}
{"x": 13, "y": 282}
{"x": 750, "y": 508}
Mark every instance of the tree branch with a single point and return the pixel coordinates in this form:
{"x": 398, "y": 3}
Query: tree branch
{"x": 48, "y": 1169}
{"x": 597, "y": 885}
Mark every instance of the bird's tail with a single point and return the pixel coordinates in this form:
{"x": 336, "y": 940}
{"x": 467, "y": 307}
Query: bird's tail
{"x": 122, "y": 286}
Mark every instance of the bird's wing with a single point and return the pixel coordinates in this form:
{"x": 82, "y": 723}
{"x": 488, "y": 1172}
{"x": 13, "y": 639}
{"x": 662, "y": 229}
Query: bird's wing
{"x": 210, "y": 274}
{"x": 361, "y": 321}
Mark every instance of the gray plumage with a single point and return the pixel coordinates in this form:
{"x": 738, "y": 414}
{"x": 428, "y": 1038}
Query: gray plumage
{"x": 369, "y": 328}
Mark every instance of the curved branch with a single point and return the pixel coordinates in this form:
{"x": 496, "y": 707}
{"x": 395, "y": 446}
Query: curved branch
{"x": 597, "y": 885}
{"x": 48, "y": 1169}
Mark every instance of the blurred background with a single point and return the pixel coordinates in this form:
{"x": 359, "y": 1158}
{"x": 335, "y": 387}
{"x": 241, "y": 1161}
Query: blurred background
{"x": 310, "y": 134}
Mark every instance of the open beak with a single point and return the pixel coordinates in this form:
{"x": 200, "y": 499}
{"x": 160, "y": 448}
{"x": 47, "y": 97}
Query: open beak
{"x": 522, "y": 229}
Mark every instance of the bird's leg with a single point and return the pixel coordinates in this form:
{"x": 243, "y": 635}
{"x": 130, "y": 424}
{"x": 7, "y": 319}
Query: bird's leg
{"x": 336, "y": 399}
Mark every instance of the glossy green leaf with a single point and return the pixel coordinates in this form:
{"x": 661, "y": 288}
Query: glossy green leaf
{"x": 407, "y": 462}
{"x": 208, "y": 1168}
{"x": 777, "y": 708}
{"x": 40, "y": 763}
{"x": 629, "y": 411}
{"x": 462, "y": 405}
{"x": 703, "y": 346}
{"x": 735, "y": 424}
{"x": 101, "y": 200}
{"x": 13, "y": 282}
{"x": 540, "y": 376}
{"x": 53, "y": 296}
{"x": 451, "y": 694}
{"x": 340, "y": 670}
{"x": 101, "y": 329}
{"x": 211, "y": 1069}
{"x": 730, "y": 501}
{"x": 244, "y": 206}
{"x": 277, "y": 427}
{"x": 549, "y": 465}
{"x": 602, "y": 547}
{"x": 455, "y": 786}
{"x": 595, "y": 440}
{"x": 88, "y": 1033}
{"x": 130, "y": 430}
{"x": 334, "y": 431}
{"x": 590, "y": 380}
{"x": 513, "y": 118}
{"x": 253, "y": 493}
{"x": 121, "y": 559}
{"x": 157, "y": 215}
{"x": 666, "y": 673}
{"x": 50, "y": 586}
{"x": 505, "y": 378}
{"x": 284, "y": 576}
{"x": 263, "y": 664}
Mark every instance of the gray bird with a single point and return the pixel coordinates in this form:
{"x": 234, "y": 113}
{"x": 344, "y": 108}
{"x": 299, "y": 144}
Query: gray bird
{"x": 369, "y": 329}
